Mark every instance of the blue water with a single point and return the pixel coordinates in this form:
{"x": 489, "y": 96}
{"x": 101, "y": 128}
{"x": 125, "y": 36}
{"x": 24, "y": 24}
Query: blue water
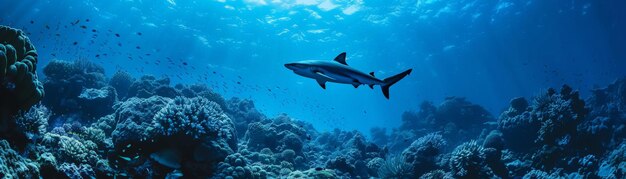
{"x": 487, "y": 51}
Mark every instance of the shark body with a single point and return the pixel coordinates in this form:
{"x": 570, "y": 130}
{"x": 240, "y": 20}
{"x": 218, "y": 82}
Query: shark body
{"x": 338, "y": 71}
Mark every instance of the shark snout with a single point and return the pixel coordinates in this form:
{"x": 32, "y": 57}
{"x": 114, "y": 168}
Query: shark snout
{"x": 291, "y": 66}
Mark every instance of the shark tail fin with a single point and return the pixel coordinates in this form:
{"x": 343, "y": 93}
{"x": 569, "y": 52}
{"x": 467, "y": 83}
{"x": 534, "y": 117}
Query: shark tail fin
{"x": 393, "y": 80}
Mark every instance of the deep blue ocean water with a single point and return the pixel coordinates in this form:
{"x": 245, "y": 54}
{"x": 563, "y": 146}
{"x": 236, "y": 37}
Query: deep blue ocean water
{"x": 488, "y": 51}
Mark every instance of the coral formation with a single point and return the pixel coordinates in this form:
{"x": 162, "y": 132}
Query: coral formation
{"x": 19, "y": 85}
{"x": 148, "y": 86}
{"x": 423, "y": 152}
{"x": 91, "y": 127}
{"x": 65, "y": 81}
{"x": 12, "y": 165}
{"x": 121, "y": 81}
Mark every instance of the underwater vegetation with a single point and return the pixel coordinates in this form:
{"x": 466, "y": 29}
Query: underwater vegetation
{"x": 87, "y": 125}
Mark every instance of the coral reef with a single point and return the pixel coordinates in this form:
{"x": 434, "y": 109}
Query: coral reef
{"x": 468, "y": 161}
{"x": 88, "y": 127}
{"x": 395, "y": 167}
{"x": 243, "y": 112}
{"x": 423, "y": 152}
{"x": 19, "y": 85}
{"x": 121, "y": 81}
{"x": 456, "y": 119}
{"x": 96, "y": 103}
{"x": 64, "y": 83}
{"x": 148, "y": 86}
{"x": 12, "y": 165}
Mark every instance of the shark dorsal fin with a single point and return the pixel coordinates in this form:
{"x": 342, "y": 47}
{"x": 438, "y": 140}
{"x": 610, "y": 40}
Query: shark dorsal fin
{"x": 341, "y": 58}
{"x": 372, "y": 73}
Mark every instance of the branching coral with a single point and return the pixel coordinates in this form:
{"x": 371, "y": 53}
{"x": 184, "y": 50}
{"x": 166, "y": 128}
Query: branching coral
{"x": 395, "y": 167}
{"x": 35, "y": 121}
{"x": 468, "y": 161}
{"x": 422, "y": 153}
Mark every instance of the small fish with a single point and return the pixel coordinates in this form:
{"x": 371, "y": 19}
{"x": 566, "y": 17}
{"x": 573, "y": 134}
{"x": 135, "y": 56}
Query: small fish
{"x": 125, "y": 158}
{"x": 117, "y": 35}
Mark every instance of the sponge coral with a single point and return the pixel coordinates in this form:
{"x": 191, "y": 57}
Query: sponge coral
{"x": 19, "y": 85}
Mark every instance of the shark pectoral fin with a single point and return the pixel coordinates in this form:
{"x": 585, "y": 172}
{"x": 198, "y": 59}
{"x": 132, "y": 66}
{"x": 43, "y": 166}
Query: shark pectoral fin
{"x": 324, "y": 75}
{"x": 322, "y": 83}
{"x": 341, "y": 58}
{"x": 371, "y": 86}
{"x": 356, "y": 83}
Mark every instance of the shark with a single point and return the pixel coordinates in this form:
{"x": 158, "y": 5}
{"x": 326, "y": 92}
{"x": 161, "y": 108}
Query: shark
{"x": 338, "y": 71}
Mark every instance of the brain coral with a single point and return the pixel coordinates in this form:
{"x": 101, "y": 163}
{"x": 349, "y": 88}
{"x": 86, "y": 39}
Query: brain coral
{"x": 19, "y": 85}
